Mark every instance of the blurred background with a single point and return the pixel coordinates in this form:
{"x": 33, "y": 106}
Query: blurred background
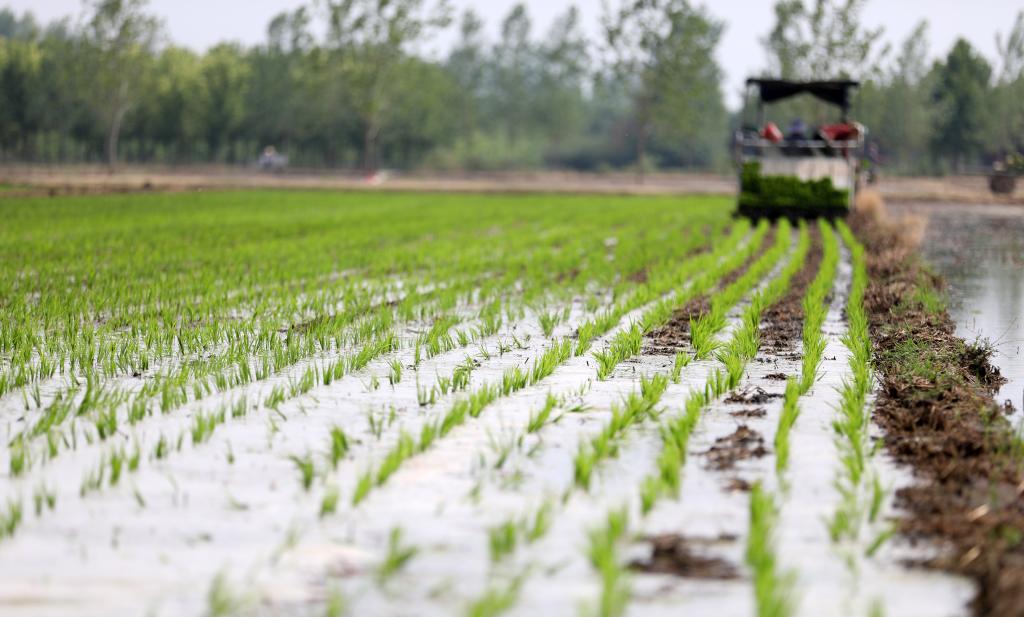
{"x": 479, "y": 85}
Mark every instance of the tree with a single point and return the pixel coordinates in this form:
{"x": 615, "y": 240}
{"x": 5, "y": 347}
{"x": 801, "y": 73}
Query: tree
{"x": 515, "y": 70}
{"x": 825, "y": 41}
{"x": 564, "y": 58}
{"x": 371, "y": 38}
{"x": 467, "y": 63}
{"x": 225, "y": 78}
{"x": 1008, "y": 95}
{"x": 662, "y": 50}
{"x": 120, "y": 39}
{"x": 961, "y": 93}
{"x": 897, "y": 105}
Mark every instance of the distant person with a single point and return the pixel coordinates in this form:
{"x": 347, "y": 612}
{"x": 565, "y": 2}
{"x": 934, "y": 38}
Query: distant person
{"x": 797, "y": 130}
{"x": 271, "y": 160}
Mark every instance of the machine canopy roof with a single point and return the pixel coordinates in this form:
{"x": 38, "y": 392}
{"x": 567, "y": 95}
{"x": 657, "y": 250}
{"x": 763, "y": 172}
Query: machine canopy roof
{"x": 834, "y": 92}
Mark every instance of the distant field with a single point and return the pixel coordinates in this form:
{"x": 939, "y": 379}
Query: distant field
{"x": 400, "y": 403}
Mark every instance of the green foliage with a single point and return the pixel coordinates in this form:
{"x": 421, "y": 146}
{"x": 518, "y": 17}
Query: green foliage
{"x": 788, "y": 195}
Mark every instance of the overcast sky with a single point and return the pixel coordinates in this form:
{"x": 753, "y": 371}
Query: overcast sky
{"x": 202, "y": 23}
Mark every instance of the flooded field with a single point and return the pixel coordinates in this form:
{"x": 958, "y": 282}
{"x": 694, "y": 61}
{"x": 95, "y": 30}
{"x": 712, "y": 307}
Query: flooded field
{"x": 345, "y": 404}
{"x": 980, "y": 252}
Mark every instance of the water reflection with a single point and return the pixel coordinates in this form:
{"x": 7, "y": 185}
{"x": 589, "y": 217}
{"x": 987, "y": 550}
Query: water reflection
{"x": 980, "y": 251}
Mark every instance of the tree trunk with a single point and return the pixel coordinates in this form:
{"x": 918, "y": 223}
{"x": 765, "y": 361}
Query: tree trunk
{"x": 113, "y": 136}
{"x": 370, "y": 147}
{"x": 641, "y": 140}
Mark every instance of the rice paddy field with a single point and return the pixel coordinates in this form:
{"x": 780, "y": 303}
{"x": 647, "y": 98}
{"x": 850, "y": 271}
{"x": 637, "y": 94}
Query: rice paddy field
{"x": 322, "y": 403}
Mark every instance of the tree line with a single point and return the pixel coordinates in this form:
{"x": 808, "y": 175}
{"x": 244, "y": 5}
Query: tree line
{"x": 345, "y": 83}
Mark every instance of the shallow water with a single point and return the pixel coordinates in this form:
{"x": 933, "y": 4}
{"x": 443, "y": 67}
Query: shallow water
{"x": 980, "y": 252}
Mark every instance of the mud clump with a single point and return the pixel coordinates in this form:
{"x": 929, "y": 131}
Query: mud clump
{"x": 776, "y": 377}
{"x": 751, "y": 396}
{"x": 673, "y": 554}
{"x": 755, "y": 412}
{"x": 936, "y": 407}
{"x": 743, "y": 444}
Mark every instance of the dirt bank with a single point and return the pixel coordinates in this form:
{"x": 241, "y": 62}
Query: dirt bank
{"x": 937, "y": 410}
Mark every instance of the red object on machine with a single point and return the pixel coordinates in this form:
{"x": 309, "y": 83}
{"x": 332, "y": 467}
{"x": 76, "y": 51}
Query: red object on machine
{"x": 772, "y": 133}
{"x": 839, "y": 132}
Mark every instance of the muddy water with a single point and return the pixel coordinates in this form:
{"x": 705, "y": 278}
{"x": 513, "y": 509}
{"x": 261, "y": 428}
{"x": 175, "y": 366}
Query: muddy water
{"x": 980, "y": 251}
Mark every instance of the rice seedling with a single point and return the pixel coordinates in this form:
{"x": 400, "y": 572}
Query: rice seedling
{"x": 221, "y": 599}
{"x": 397, "y": 557}
{"x": 10, "y": 519}
{"x": 682, "y": 360}
{"x": 306, "y": 468}
{"x": 329, "y": 501}
{"x": 773, "y": 588}
{"x": 495, "y": 600}
{"x": 395, "y": 375}
{"x": 603, "y": 553}
{"x": 540, "y": 418}
{"x": 339, "y": 445}
{"x": 790, "y": 413}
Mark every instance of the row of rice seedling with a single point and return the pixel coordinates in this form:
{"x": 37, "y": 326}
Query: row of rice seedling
{"x": 773, "y": 587}
{"x": 860, "y": 489}
{"x": 815, "y": 309}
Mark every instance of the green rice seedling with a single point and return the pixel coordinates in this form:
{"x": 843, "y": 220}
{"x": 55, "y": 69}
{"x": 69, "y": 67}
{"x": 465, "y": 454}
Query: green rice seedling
{"x": 162, "y": 448}
{"x": 496, "y": 601}
{"x": 502, "y": 540}
{"x": 879, "y": 541}
{"x": 306, "y": 468}
{"x": 503, "y": 447}
{"x": 461, "y": 375}
{"x": 10, "y": 519}
{"x": 444, "y": 384}
{"x": 790, "y": 413}
{"x": 43, "y": 498}
{"x": 240, "y": 407}
{"x": 329, "y": 501}
{"x": 403, "y": 449}
{"x": 549, "y": 321}
{"x": 337, "y": 604}
{"x": 603, "y": 553}
{"x": 538, "y": 525}
{"x": 735, "y": 366}
{"x": 364, "y": 484}
{"x": 19, "y": 461}
{"x": 116, "y": 459}
{"x": 540, "y": 418}
{"x": 221, "y": 599}
{"x": 682, "y": 360}
{"x": 426, "y": 396}
{"x": 773, "y": 589}
{"x": 396, "y": 558}
{"x": 339, "y": 446}
{"x": 395, "y": 376}
{"x": 606, "y": 363}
